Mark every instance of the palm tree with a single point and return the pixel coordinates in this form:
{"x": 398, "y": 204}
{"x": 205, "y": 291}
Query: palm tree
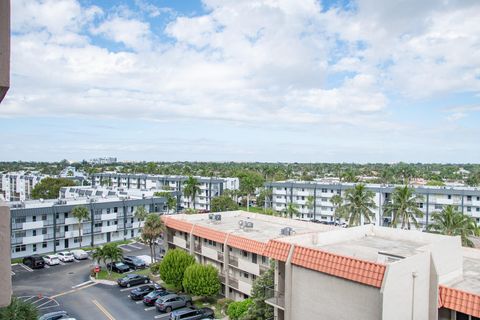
{"x": 19, "y": 310}
{"x": 98, "y": 255}
{"x": 454, "y": 223}
{"x": 113, "y": 253}
{"x": 337, "y": 202}
{"x": 358, "y": 204}
{"x": 191, "y": 188}
{"x": 403, "y": 207}
{"x": 291, "y": 210}
{"x": 310, "y": 203}
{"x": 82, "y": 214}
{"x": 152, "y": 230}
{"x": 141, "y": 213}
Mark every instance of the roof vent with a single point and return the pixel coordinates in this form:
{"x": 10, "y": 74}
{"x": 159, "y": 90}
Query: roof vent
{"x": 218, "y": 217}
{"x": 287, "y": 231}
{"x": 248, "y": 225}
{"x": 211, "y": 216}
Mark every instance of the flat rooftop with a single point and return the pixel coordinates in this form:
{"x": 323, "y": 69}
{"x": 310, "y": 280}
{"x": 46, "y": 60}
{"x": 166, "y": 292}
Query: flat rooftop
{"x": 67, "y": 202}
{"x": 265, "y": 227}
{"x": 471, "y": 272}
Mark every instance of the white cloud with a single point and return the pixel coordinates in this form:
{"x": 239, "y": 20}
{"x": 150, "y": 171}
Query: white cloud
{"x": 262, "y": 61}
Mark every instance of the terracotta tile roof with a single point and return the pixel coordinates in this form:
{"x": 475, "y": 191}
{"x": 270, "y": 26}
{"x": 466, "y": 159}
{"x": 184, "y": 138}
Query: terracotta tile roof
{"x": 459, "y": 300}
{"x": 365, "y": 272}
{"x": 178, "y": 225}
{"x": 209, "y": 234}
{"x": 246, "y": 244}
{"x": 277, "y": 250}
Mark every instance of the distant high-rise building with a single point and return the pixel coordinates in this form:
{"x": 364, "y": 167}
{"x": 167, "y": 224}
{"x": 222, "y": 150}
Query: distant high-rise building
{"x": 104, "y": 160}
{"x": 18, "y": 186}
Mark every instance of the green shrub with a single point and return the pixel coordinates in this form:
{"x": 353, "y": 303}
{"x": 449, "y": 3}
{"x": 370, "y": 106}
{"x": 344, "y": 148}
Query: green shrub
{"x": 173, "y": 266}
{"x": 201, "y": 280}
{"x": 237, "y": 309}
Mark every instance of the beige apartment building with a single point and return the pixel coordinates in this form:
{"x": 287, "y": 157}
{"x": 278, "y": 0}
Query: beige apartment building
{"x": 324, "y": 272}
{"x": 5, "y": 268}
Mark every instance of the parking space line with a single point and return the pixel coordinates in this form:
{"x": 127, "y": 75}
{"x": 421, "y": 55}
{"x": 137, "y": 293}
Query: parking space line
{"x": 40, "y": 305}
{"x": 136, "y": 247}
{"x": 138, "y": 302}
{"x": 39, "y": 300}
{"x": 13, "y": 273}
{"x": 131, "y": 288}
{"x": 149, "y": 308}
{"x": 29, "y": 298}
{"x": 166, "y": 315}
{"x": 73, "y": 290}
{"x": 123, "y": 248}
{"x": 105, "y": 312}
{"x": 26, "y": 268}
{"x": 46, "y": 266}
{"x": 82, "y": 284}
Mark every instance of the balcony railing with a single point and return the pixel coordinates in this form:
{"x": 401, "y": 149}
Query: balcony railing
{"x": 274, "y": 297}
{"x": 220, "y": 256}
{"x": 221, "y": 276}
{"x": 233, "y": 261}
{"x": 233, "y": 283}
{"x": 197, "y": 248}
{"x": 170, "y": 238}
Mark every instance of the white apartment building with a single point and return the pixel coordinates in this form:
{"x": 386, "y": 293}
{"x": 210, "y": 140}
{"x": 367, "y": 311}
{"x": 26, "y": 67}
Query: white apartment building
{"x": 18, "y": 186}
{"x": 104, "y": 160}
{"x": 210, "y": 187}
{"x": 432, "y": 199}
{"x": 326, "y": 272}
{"x": 44, "y": 226}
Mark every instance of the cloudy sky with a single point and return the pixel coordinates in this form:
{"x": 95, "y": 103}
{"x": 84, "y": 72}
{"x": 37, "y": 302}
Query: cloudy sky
{"x": 230, "y": 80}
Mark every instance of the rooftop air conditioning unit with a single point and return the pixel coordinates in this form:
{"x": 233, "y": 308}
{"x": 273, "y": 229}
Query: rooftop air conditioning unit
{"x": 211, "y": 216}
{"x": 248, "y": 225}
{"x": 218, "y": 217}
{"x": 241, "y": 223}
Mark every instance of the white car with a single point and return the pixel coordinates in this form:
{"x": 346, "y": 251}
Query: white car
{"x": 65, "y": 256}
{"x": 51, "y": 260}
{"x": 79, "y": 254}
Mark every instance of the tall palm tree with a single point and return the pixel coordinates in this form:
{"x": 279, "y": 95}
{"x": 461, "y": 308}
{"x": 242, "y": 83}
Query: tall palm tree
{"x": 403, "y": 207}
{"x": 454, "y": 223}
{"x": 358, "y": 204}
{"x": 82, "y": 214}
{"x": 141, "y": 213}
{"x": 310, "y": 203}
{"x": 152, "y": 230}
{"x": 191, "y": 188}
{"x": 111, "y": 252}
{"x": 98, "y": 255}
{"x": 336, "y": 201}
{"x": 291, "y": 209}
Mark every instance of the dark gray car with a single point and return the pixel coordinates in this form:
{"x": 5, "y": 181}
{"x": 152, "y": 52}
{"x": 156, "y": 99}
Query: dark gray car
{"x": 171, "y": 302}
{"x": 192, "y": 314}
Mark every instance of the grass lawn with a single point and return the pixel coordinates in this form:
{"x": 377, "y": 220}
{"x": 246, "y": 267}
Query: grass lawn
{"x": 253, "y": 209}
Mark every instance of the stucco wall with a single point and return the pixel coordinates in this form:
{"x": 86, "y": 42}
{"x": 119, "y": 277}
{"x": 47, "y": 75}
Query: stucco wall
{"x": 406, "y": 288}
{"x": 4, "y": 47}
{"x": 5, "y": 268}
{"x": 316, "y": 295}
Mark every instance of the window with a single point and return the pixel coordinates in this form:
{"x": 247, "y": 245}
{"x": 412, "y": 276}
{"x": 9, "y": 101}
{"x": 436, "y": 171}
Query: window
{"x": 57, "y": 243}
{"x": 324, "y": 190}
{"x": 20, "y": 220}
{"x": 34, "y": 247}
{"x": 469, "y": 209}
{"x": 98, "y": 224}
{"x": 478, "y": 209}
{"x": 420, "y": 205}
{"x": 264, "y": 260}
{"x": 438, "y": 207}
{"x": 20, "y": 234}
{"x": 115, "y": 209}
{"x": 20, "y": 248}
{"x": 108, "y": 210}
{"x": 34, "y": 233}
{"x": 469, "y": 198}
{"x": 44, "y": 217}
{"x": 254, "y": 258}
{"x": 449, "y": 196}
{"x": 44, "y": 245}
{"x": 244, "y": 253}
{"x": 57, "y": 216}
{"x": 44, "y": 231}
{"x": 34, "y": 218}
{"x": 245, "y": 275}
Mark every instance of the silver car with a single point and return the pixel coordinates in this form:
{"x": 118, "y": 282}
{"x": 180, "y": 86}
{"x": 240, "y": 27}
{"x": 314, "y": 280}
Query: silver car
{"x": 171, "y": 302}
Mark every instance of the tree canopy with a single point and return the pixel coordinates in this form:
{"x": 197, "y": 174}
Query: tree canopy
{"x": 49, "y": 188}
{"x": 223, "y": 203}
{"x": 173, "y": 266}
{"x": 201, "y": 280}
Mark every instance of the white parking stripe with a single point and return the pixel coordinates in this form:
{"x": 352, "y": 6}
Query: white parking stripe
{"x": 29, "y": 298}
{"x": 46, "y": 266}
{"x": 82, "y": 284}
{"x": 38, "y": 300}
{"x": 131, "y": 288}
{"x": 166, "y": 315}
{"x": 128, "y": 250}
{"x": 26, "y": 268}
{"x": 149, "y": 308}
{"x": 13, "y": 273}
{"x": 138, "y": 302}
{"x": 136, "y": 247}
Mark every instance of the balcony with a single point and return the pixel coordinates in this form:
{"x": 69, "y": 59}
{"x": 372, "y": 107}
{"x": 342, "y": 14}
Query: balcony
{"x": 32, "y": 225}
{"x": 233, "y": 261}
{"x": 71, "y": 221}
{"x": 220, "y": 256}
{"x": 232, "y": 282}
{"x": 197, "y": 248}
{"x": 275, "y": 298}
{"x": 221, "y": 276}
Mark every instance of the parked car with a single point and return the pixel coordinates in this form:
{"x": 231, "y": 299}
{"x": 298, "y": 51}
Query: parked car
{"x": 65, "y": 256}
{"x": 80, "y": 254}
{"x": 118, "y": 267}
{"x": 149, "y": 299}
{"x": 146, "y": 259}
{"x": 51, "y": 259}
{"x": 134, "y": 263}
{"x": 34, "y": 261}
{"x": 192, "y": 314}
{"x": 57, "y": 315}
{"x": 132, "y": 279}
{"x": 140, "y": 292}
{"x": 172, "y": 301}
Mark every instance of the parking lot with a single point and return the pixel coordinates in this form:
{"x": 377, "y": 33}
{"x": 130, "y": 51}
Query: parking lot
{"x": 68, "y": 287}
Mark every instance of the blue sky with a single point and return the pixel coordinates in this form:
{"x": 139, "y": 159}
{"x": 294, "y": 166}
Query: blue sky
{"x": 286, "y": 80}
